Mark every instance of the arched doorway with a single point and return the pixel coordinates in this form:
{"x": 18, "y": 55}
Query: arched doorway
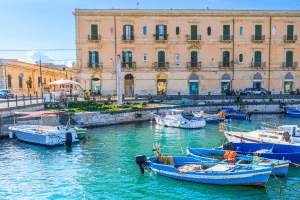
{"x": 194, "y": 84}
{"x": 129, "y": 85}
{"x": 96, "y": 84}
{"x": 257, "y": 81}
{"x": 161, "y": 84}
{"x": 288, "y": 82}
{"x": 225, "y": 83}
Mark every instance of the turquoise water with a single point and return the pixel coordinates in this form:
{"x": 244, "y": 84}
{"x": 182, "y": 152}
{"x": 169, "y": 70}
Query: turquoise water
{"x": 91, "y": 170}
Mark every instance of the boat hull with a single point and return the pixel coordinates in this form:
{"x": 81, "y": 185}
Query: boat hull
{"x": 193, "y": 124}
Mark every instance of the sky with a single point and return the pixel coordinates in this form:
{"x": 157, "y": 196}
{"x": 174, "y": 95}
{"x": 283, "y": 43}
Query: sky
{"x": 40, "y": 25}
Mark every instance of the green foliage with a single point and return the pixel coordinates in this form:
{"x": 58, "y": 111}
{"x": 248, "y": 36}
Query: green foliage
{"x": 86, "y": 94}
{"x": 271, "y": 100}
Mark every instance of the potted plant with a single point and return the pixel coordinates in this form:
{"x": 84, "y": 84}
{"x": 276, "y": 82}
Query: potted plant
{"x": 86, "y": 95}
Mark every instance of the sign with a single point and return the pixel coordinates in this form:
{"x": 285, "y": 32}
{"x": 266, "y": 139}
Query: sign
{"x": 21, "y": 75}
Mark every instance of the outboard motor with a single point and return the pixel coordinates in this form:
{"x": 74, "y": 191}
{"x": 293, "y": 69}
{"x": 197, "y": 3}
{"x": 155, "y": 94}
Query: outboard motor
{"x": 286, "y": 136}
{"x": 140, "y": 160}
{"x": 228, "y": 146}
{"x": 69, "y": 139}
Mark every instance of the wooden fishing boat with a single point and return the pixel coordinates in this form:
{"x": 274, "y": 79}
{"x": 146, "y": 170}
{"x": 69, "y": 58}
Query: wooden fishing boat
{"x": 226, "y": 156}
{"x": 293, "y": 112}
{"x": 234, "y": 114}
{"x": 81, "y": 132}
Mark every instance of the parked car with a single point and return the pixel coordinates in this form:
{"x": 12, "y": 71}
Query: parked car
{"x": 297, "y": 92}
{"x": 5, "y": 93}
{"x": 259, "y": 91}
{"x": 230, "y": 92}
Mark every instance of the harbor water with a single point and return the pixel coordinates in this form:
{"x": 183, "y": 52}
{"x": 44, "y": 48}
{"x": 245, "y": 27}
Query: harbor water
{"x": 104, "y": 167}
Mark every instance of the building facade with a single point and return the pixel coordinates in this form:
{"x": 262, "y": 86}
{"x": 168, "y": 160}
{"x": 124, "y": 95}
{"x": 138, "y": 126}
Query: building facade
{"x": 29, "y": 84}
{"x": 187, "y": 51}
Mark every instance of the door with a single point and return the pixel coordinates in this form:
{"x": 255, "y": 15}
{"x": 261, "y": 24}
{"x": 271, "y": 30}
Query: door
{"x": 161, "y": 84}
{"x": 128, "y": 32}
{"x": 289, "y": 59}
{"x": 257, "y": 60}
{"x": 194, "y": 58}
{"x": 290, "y": 32}
{"x": 94, "y": 31}
{"x": 161, "y": 59}
{"x": 258, "y": 32}
{"x": 129, "y": 85}
{"x": 128, "y": 59}
{"x": 288, "y": 86}
{"x": 226, "y": 59}
{"x": 226, "y": 32}
{"x": 256, "y": 84}
{"x": 96, "y": 86}
{"x": 194, "y": 32}
{"x": 225, "y": 87}
{"x": 194, "y": 87}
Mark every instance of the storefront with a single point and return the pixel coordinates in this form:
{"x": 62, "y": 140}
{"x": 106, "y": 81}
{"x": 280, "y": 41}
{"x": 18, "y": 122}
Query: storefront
{"x": 225, "y": 83}
{"x": 288, "y": 83}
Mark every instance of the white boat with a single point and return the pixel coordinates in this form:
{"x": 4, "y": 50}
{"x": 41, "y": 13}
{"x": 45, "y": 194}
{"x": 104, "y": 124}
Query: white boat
{"x": 45, "y": 135}
{"x": 174, "y": 118}
{"x": 210, "y": 118}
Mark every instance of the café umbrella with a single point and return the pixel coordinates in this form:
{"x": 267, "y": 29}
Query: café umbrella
{"x": 64, "y": 82}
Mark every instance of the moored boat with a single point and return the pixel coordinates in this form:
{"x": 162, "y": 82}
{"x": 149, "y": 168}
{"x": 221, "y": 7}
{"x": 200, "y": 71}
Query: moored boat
{"x": 81, "y": 132}
{"x": 234, "y": 114}
{"x": 210, "y": 118}
{"x": 293, "y": 112}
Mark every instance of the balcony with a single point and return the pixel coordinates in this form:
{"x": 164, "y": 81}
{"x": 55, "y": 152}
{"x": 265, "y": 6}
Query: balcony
{"x": 226, "y": 38}
{"x": 225, "y": 65}
{"x": 193, "y": 66}
{"x": 289, "y": 64}
{"x": 258, "y": 64}
{"x": 193, "y": 38}
{"x": 127, "y": 38}
{"x": 258, "y": 38}
{"x": 127, "y": 66}
{"x": 161, "y": 66}
{"x": 161, "y": 38}
{"x": 290, "y": 38}
{"x": 94, "y": 38}
{"x": 95, "y": 65}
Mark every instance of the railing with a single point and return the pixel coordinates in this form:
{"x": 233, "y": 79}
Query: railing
{"x": 94, "y": 37}
{"x": 193, "y": 37}
{"x": 95, "y": 64}
{"x": 161, "y": 64}
{"x": 225, "y": 64}
{"x": 161, "y": 37}
{"x": 258, "y": 38}
{"x": 127, "y": 37}
{"x": 193, "y": 64}
{"x": 258, "y": 64}
{"x": 289, "y": 64}
{"x": 290, "y": 38}
{"x": 128, "y": 65}
{"x": 226, "y": 38}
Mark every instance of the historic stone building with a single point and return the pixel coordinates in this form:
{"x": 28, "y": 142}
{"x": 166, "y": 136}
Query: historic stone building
{"x": 12, "y": 68}
{"x": 187, "y": 51}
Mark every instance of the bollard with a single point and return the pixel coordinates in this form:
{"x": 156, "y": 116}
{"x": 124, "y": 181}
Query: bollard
{"x": 135, "y": 96}
{"x": 37, "y": 100}
{"x": 23, "y": 100}
{"x": 16, "y": 100}
{"x": 7, "y": 102}
{"x": 30, "y": 99}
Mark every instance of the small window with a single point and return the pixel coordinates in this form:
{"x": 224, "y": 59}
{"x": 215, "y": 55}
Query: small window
{"x": 241, "y": 30}
{"x": 274, "y": 31}
{"x": 144, "y": 30}
{"x": 112, "y": 30}
{"x": 177, "y": 30}
{"x": 145, "y": 58}
{"x": 177, "y": 58}
{"x": 209, "y": 31}
{"x": 241, "y": 58}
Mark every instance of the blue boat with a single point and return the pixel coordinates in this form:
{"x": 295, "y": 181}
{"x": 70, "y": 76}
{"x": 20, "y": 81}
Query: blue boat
{"x": 293, "y": 112}
{"x": 191, "y": 169}
{"x": 215, "y": 155}
{"x": 234, "y": 114}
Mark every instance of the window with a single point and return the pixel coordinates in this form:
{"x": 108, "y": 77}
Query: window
{"x": 144, "y": 30}
{"x": 127, "y": 32}
{"x": 177, "y": 30}
{"x": 241, "y": 58}
{"x": 177, "y": 58}
{"x": 9, "y": 80}
{"x": 274, "y": 32}
{"x": 209, "y": 31}
{"x": 145, "y": 58}
{"x": 20, "y": 82}
{"x": 94, "y": 31}
{"x": 241, "y": 30}
{"x": 93, "y": 59}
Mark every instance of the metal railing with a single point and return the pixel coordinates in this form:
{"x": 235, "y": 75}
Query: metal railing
{"x": 289, "y": 38}
{"x": 289, "y": 64}
{"x": 258, "y": 64}
{"x": 225, "y": 64}
{"x": 226, "y": 38}
{"x": 161, "y": 64}
{"x": 127, "y": 37}
{"x": 128, "y": 65}
{"x": 193, "y": 37}
{"x": 193, "y": 64}
{"x": 161, "y": 37}
{"x": 94, "y": 37}
{"x": 95, "y": 64}
{"x": 258, "y": 38}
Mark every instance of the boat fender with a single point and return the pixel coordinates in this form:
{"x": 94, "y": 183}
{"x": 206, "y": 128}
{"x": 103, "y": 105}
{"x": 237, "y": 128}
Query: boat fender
{"x": 140, "y": 160}
{"x": 68, "y": 139}
{"x": 228, "y": 146}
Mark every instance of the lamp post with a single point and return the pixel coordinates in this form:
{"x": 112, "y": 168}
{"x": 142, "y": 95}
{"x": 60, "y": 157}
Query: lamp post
{"x": 119, "y": 92}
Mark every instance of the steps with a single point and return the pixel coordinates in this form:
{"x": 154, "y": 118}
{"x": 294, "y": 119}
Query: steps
{"x": 64, "y": 119}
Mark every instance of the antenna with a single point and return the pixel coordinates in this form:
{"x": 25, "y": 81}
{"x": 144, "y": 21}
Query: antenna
{"x": 137, "y": 5}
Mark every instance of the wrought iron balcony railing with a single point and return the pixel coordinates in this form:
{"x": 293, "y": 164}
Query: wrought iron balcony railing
{"x": 161, "y": 37}
{"x": 258, "y": 38}
{"x": 128, "y": 65}
{"x": 95, "y": 64}
{"x": 226, "y": 38}
{"x": 289, "y": 64}
{"x": 161, "y": 64}
{"x": 193, "y": 64}
{"x": 127, "y": 37}
{"x": 290, "y": 38}
{"x": 258, "y": 64}
{"x": 225, "y": 64}
{"x": 94, "y": 37}
{"x": 193, "y": 37}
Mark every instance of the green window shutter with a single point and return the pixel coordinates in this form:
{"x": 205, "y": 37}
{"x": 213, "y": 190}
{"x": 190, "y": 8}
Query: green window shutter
{"x": 96, "y": 56}
{"x": 131, "y": 31}
{"x": 161, "y": 56}
{"x": 258, "y": 30}
{"x": 208, "y": 30}
{"x": 156, "y": 29}
{"x": 94, "y": 29}
{"x": 20, "y": 82}
{"x": 226, "y": 29}
{"x": 226, "y": 59}
{"x": 9, "y": 81}
{"x": 194, "y": 30}
{"x": 130, "y": 56}
{"x": 165, "y": 29}
{"x": 194, "y": 56}
{"x": 289, "y": 58}
{"x": 124, "y": 30}
{"x": 257, "y": 56}
{"x": 241, "y": 58}
{"x": 123, "y": 56}
{"x": 290, "y": 30}
{"x": 90, "y": 56}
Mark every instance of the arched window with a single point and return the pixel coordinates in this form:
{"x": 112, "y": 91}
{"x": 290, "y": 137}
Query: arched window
{"x": 209, "y": 30}
{"x": 144, "y": 30}
{"x": 128, "y": 77}
{"x": 9, "y": 81}
{"x": 241, "y": 58}
{"x": 177, "y": 30}
{"x": 241, "y": 30}
{"x": 20, "y": 82}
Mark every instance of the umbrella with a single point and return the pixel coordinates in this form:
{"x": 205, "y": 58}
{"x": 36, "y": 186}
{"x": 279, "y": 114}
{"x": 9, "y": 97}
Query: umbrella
{"x": 63, "y": 82}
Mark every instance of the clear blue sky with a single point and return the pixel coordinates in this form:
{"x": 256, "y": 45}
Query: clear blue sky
{"x": 50, "y": 24}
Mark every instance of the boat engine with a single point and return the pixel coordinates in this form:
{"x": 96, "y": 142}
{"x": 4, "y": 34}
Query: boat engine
{"x": 68, "y": 139}
{"x": 140, "y": 160}
{"x": 228, "y": 146}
